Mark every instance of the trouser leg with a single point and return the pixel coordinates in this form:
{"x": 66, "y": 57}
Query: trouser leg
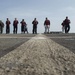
{"x": 65, "y": 29}
{"x": 45, "y": 29}
{"x": 36, "y": 30}
{"x": 8, "y": 28}
{"x": 68, "y": 28}
{"x": 33, "y": 29}
{"x": 16, "y": 29}
{"x": 48, "y": 28}
{"x": 27, "y": 30}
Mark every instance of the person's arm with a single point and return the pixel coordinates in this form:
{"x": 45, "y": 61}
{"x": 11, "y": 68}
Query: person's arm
{"x": 32, "y": 22}
{"x": 37, "y": 22}
{"x": 25, "y": 23}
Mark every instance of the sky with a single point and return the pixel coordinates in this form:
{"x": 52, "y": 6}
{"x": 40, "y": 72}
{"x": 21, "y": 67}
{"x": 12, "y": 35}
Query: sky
{"x": 55, "y": 10}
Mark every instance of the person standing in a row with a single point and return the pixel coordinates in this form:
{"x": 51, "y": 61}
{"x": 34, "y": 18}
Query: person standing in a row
{"x": 47, "y": 25}
{"x": 8, "y": 26}
{"x": 67, "y": 25}
{"x": 15, "y": 26}
{"x": 35, "y": 22}
{"x": 23, "y": 26}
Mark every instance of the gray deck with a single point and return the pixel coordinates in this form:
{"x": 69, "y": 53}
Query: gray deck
{"x": 39, "y": 55}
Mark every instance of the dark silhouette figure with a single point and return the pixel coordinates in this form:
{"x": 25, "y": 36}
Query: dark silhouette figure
{"x": 1, "y": 26}
{"x": 47, "y": 25}
{"x": 15, "y": 26}
{"x": 35, "y": 22}
{"x": 8, "y": 26}
{"x": 67, "y": 25}
{"x": 23, "y": 26}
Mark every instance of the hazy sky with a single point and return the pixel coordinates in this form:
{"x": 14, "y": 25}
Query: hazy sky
{"x": 55, "y": 10}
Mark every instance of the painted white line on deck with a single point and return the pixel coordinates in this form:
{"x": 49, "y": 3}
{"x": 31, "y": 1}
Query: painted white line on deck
{"x": 38, "y": 38}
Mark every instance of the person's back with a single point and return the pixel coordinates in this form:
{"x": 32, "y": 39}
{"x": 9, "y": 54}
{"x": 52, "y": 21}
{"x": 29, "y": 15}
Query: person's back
{"x": 8, "y": 22}
{"x": 66, "y": 21}
{"x": 35, "y": 22}
{"x": 15, "y": 22}
{"x": 1, "y": 26}
{"x": 67, "y": 25}
{"x": 47, "y": 22}
{"x": 47, "y": 25}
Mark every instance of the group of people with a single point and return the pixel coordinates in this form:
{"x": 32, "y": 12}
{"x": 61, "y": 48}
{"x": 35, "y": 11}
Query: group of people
{"x": 65, "y": 26}
{"x": 15, "y": 26}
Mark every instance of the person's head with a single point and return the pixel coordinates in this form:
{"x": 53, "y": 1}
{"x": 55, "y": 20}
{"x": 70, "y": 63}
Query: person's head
{"x": 34, "y": 18}
{"x": 15, "y": 18}
{"x": 46, "y": 18}
{"x": 7, "y": 19}
{"x": 22, "y": 19}
{"x": 66, "y": 17}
